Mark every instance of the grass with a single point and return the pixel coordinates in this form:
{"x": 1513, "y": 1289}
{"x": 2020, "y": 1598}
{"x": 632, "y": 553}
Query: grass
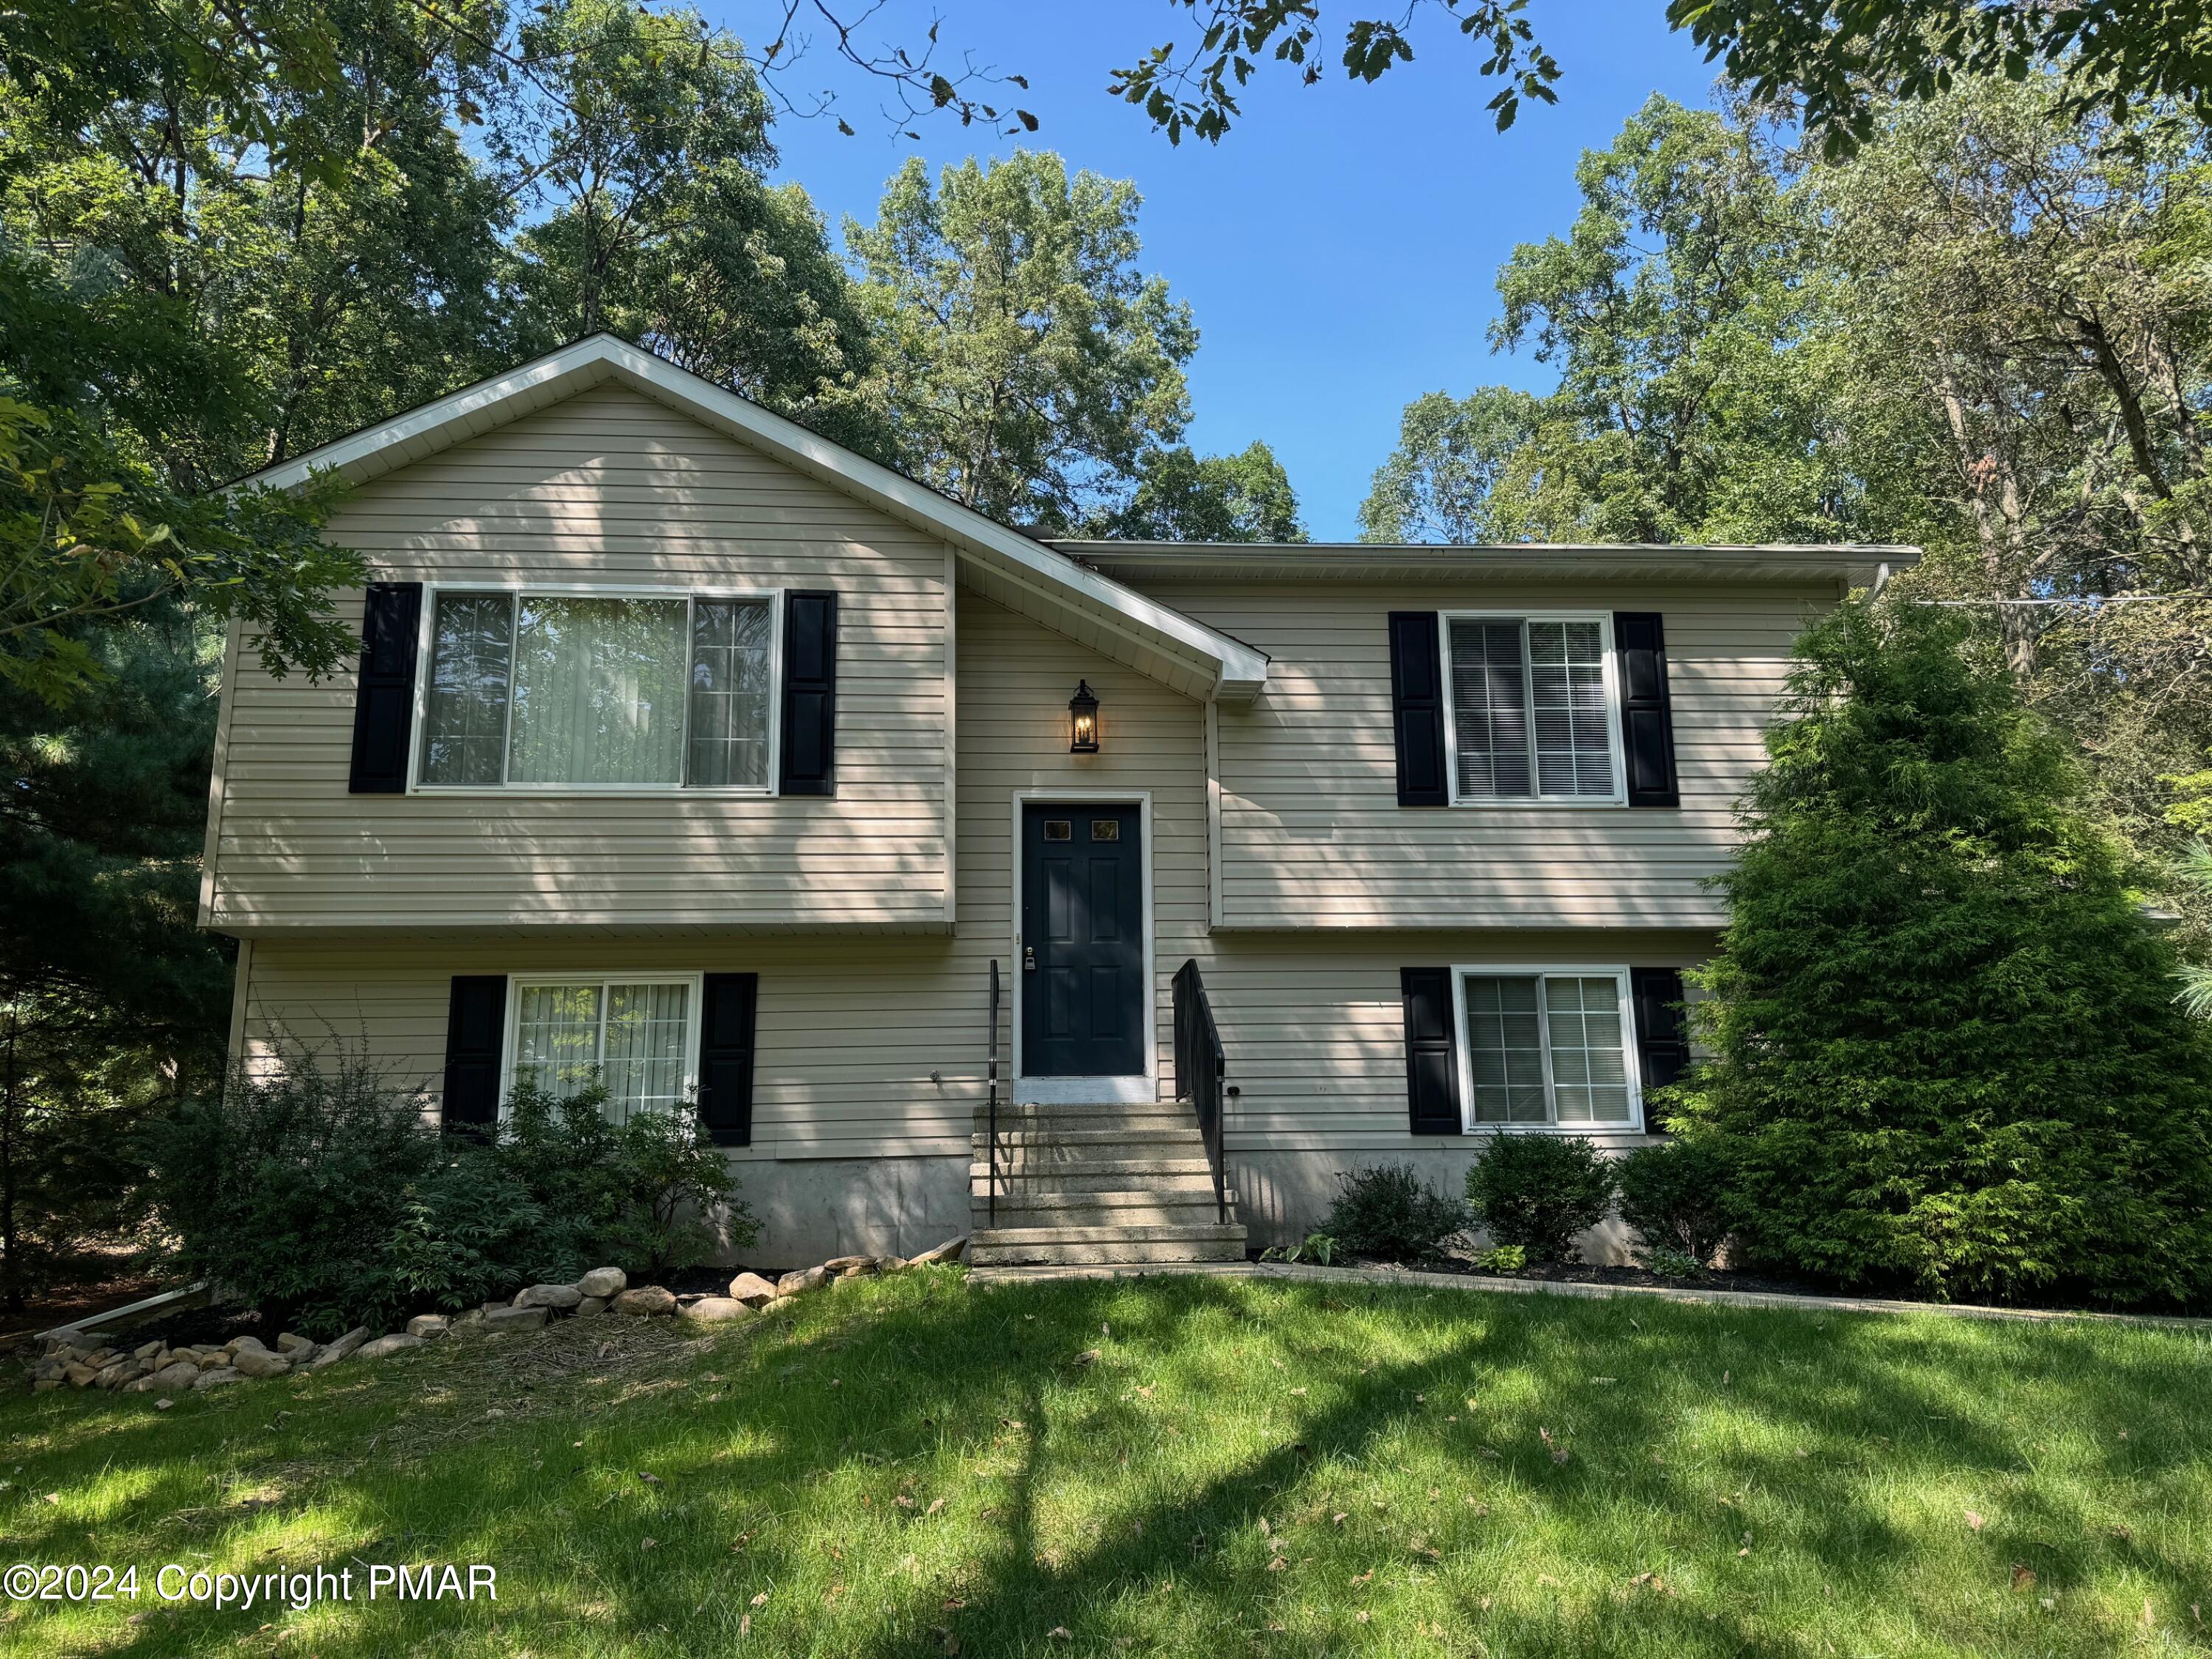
{"x": 1177, "y": 1466}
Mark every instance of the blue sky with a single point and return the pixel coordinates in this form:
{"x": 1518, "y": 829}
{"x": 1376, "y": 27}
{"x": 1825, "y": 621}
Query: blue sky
{"x": 1338, "y": 248}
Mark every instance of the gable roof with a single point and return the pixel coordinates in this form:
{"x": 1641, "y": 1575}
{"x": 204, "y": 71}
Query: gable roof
{"x": 1004, "y": 565}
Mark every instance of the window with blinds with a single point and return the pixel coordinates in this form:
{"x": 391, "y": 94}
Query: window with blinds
{"x": 1547, "y": 1049}
{"x": 1532, "y": 712}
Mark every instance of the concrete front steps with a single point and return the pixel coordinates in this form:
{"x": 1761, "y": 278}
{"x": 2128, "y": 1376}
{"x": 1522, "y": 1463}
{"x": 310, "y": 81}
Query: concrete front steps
{"x": 1098, "y": 1185}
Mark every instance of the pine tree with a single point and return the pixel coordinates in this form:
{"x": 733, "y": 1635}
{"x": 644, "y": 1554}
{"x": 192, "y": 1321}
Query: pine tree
{"x": 1944, "y": 1050}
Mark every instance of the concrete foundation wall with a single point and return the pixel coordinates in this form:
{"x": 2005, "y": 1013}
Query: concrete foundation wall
{"x": 812, "y": 1209}
{"x": 1283, "y": 1196}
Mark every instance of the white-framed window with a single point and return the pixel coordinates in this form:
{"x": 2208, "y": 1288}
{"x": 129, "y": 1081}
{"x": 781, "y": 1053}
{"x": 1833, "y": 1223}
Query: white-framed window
{"x": 638, "y": 1032}
{"x": 1531, "y": 707}
{"x": 1547, "y": 1049}
{"x": 565, "y": 690}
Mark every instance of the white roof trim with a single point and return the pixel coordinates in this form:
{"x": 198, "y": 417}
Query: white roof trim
{"x": 1165, "y": 643}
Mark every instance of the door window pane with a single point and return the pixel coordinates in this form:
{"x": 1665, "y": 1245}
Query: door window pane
{"x": 598, "y": 691}
{"x": 465, "y": 721}
{"x": 729, "y": 689}
{"x": 1490, "y": 709}
{"x": 1505, "y": 1056}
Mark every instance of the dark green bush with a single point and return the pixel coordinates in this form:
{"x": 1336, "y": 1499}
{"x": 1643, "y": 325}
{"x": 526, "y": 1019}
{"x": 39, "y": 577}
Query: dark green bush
{"x": 327, "y": 1199}
{"x": 1386, "y": 1213}
{"x": 1944, "y": 1049}
{"x": 1671, "y": 1194}
{"x": 320, "y": 1194}
{"x": 1539, "y": 1190}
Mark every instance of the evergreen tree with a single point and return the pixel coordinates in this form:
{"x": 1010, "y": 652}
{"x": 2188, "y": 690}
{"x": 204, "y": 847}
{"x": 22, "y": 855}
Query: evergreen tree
{"x": 1944, "y": 1050}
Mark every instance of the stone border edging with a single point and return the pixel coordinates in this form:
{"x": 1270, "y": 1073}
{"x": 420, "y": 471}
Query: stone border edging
{"x": 1410, "y": 1278}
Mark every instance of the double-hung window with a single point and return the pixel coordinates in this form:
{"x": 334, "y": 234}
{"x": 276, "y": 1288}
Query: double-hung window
{"x": 567, "y": 689}
{"x": 637, "y": 1033}
{"x": 1548, "y": 1047}
{"x": 1532, "y": 712}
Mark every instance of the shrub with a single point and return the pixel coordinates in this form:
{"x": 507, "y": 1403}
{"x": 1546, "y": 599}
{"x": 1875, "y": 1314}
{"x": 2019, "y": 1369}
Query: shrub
{"x": 1538, "y": 1191}
{"x": 1944, "y": 1050}
{"x": 1386, "y": 1213}
{"x": 649, "y": 1195}
{"x": 1671, "y": 1194}
{"x": 1670, "y": 1263}
{"x": 1502, "y": 1259}
{"x": 323, "y": 1198}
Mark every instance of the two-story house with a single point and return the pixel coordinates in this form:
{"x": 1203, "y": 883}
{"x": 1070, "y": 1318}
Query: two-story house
{"x": 692, "y": 751}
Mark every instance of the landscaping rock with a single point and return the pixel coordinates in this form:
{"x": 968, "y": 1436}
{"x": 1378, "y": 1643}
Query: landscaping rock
{"x": 751, "y": 1287}
{"x": 219, "y": 1376}
{"x": 802, "y": 1279}
{"x": 346, "y": 1344}
{"x": 79, "y": 1374}
{"x": 840, "y": 1265}
{"x": 890, "y": 1264}
{"x": 720, "y": 1310}
{"x": 178, "y": 1376}
{"x": 398, "y": 1342}
{"x": 115, "y": 1372}
{"x": 472, "y": 1320}
{"x": 238, "y": 1345}
{"x": 259, "y": 1362}
{"x": 428, "y": 1327}
{"x": 562, "y": 1296}
{"x": 293, "y": 1342}
{"x": 591, "y": 1304}
{"x": 515, "y": 1319}
{"x": 951, "y": 1251}
{"x": 644, "y": 1301}
{"x": 210, "y": 1361}
{"x": 149, "y": 1351}
{"x": 604, "y": 1283}
{"x": 46, "y": 1384}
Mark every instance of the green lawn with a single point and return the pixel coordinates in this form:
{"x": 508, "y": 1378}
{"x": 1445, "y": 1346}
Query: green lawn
{"x": 1186, "y": 1465}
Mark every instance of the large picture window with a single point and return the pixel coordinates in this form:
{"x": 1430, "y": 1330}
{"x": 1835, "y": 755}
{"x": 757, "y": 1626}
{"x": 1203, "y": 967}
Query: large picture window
{"x": 1548, "y": 1047}
{"x": 1532, "y": 709}
{"x": 590, "y": 691}
{"x": 637, "y": 1034}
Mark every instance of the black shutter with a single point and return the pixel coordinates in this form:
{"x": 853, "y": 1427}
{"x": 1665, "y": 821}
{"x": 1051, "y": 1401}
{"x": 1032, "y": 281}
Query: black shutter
{"x": 1417, "y": 707}
{"x": 809, "y": 694}
{"x": 384, "y": 705}
{"x": 475, "y": 1029}
{"x": 1646, "y": 716}
{"x": 1662, "y": 1039}
{"x": 1432, "y": 1075}
{"x": 725, "y": 1058}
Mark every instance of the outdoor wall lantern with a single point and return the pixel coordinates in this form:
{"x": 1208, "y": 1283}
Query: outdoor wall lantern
{"x": 1082, "y": 721}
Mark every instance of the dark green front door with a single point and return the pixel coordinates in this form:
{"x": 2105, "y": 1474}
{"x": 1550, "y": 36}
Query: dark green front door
{"x": 1083, "y": 942}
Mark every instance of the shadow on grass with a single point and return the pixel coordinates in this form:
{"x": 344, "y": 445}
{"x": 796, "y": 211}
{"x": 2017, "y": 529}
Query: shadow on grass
{"x": 898, "y": 1468}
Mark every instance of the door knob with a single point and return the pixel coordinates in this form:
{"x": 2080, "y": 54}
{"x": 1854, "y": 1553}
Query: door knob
{"x": 1029, "y": 958}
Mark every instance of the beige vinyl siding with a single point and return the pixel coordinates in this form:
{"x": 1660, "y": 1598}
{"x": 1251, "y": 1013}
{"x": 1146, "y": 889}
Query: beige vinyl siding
{"x": 1311, "y": 832}
{"x": 849, "y": 1030}
{"x": 608, "y": 487}
{"x": 1015, "y": 681}
{"x": 1314, "y": 1031}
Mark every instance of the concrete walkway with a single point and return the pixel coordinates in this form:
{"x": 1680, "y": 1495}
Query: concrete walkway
{"x": 1406, "y": 1279}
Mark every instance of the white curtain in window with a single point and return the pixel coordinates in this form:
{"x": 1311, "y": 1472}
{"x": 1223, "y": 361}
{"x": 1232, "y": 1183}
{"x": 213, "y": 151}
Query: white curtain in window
{"x": 598, "y": 691}
{"x": 645, "y": 1047}
{"x": 464, "y": 722}
{"x": 556, "y": 1036}
{"x": 1490, "y": 709}
{"x": 730, "y": 687}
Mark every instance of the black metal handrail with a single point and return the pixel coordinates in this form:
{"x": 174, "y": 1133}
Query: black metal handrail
{"x": 992, "y": 1145}
{"x": 1201, "y": 1069}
